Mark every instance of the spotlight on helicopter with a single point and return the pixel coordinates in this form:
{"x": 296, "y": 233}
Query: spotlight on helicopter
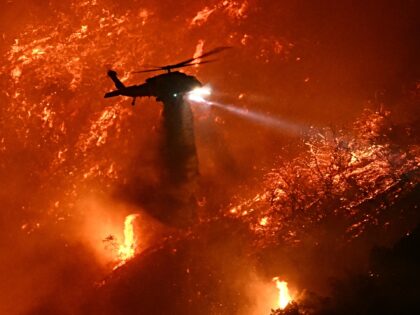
{"x": 199, "y": 94}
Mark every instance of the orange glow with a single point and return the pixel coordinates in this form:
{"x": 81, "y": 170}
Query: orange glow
{"x": 264, "y": 221}
{"x": 284, "y": 297}
{"x": 85, "y": 188}
{"x": 127, "y": 249}
{"x": 202, "y": 16}
{"x": 198, "y": 51}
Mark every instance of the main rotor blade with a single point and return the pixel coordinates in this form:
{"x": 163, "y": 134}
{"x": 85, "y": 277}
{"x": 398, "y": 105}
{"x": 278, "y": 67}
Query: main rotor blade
{"x": 194, "y": 63}
{"x": 188, "y": 62}
{"x": 214, "y": 51}
{"x": 175, "y": 67}
{"x": 209, "y": 53}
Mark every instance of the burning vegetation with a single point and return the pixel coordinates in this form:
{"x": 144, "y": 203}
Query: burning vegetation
{"x": 342, "y": 179}
{"x": 95, "y": 221}
{"x": 244, "y": 240}
{"x": 284, "y": 296}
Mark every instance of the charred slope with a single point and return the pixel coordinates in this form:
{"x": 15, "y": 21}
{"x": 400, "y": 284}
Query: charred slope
{"x": 392, "y": 286}
{"x": 201, "y": 274}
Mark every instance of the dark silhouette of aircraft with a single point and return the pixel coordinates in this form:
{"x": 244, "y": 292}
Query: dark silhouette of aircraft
{"x": 174, "y": 201}
{"x": 164, "y": 86}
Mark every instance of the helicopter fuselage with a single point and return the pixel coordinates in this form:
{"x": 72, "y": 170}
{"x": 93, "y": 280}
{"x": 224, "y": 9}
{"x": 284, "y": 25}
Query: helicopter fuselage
{"x": 163, "y": 87}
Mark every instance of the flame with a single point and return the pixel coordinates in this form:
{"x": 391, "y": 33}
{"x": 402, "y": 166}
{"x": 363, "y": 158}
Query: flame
{"x": 284, "y": 296}
{"x": 198, "y": 51}
{"x": 201, "y": 17}
{"x": 127, "y": 250}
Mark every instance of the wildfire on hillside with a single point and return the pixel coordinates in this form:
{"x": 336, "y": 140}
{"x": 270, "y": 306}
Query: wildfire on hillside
{"x": 278, "y": 193}
{"x": 337, "y": 175}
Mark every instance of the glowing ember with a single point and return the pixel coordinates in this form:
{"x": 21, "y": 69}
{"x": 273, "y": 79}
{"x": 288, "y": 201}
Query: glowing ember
{"x": 264, "y": 221}
{"x": 284, "y": 296}
{"x": 127, "y": 250}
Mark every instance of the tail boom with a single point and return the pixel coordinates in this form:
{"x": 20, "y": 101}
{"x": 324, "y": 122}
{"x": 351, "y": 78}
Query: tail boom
{"x": 113, "y": 75}
{"x": 112, "y": 94}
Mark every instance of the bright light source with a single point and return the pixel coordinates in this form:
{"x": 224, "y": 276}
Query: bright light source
{"x": 284, "y": 297}
{"x": 198, "y": 94}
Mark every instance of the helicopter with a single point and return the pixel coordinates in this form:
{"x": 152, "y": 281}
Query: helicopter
{"x": 166, "y": 86}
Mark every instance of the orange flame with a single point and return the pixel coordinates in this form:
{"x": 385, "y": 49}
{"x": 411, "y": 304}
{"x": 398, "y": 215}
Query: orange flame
{"x": 198, "y": 51}
{"x": 284, "y": 297}
{"x": 127, "y": 250}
